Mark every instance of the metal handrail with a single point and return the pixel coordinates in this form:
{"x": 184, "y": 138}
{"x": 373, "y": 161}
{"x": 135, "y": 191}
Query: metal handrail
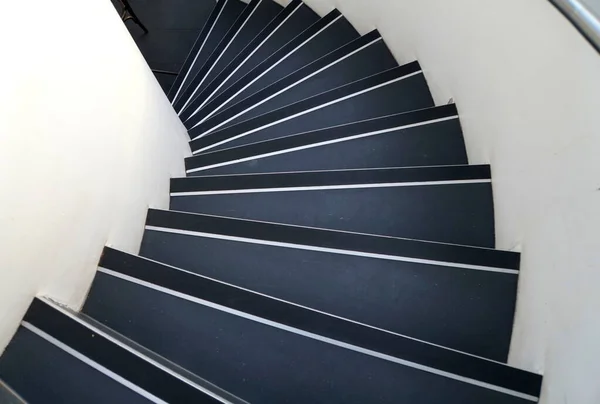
{"x": 584, "y": 19}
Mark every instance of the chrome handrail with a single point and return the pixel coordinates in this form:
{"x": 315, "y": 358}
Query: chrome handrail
{"x": 583, "y": 18}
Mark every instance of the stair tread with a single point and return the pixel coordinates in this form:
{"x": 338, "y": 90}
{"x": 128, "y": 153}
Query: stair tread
{"x": 426, "y": 137}
{"x": 324, "y": 36}
{"x": 446, "y": 204}
{"x": 224, "y": 298}
{"x": 391, "y": 92}
{"x": 200, "y": 73}
{"x": 361, "y": 58}
{"x": 222, "y": 16}
{"x": 281, "y": 29}
{"x": 261, "y": 16}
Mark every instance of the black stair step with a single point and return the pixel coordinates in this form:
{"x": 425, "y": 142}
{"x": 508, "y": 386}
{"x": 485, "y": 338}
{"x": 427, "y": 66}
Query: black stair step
{"x": 8, "y": 395}
{"x": 222, "y": 17}
{"x": 363, "y": 57}
{"x": 426, "y": 137}
{"x": 340, "y": 242}
{"x": 321, "y": 38}
{"x": 200, "y": 74}
{"x": 258, "y": 23}
{"x": 96, "y": 364}
{"x": 446, "y": 204}
{"x": 285, "y": 26}
{"x": 250, "y": 317}
{"x": 391, "y": 92}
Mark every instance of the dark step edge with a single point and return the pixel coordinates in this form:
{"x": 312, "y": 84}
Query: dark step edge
{"x": 320, "y": 137}
{"x": 111, "y": 356}
{"x": 259, "y": 71}
{"x": 334, "y": 241}
{"x": 402, "y": 176}
{"x": 322, "y": 326}
{"x": 306, "y": 106}
{"x": 271, "y": 29}
{"x": 8, "y": 395}
{"x": 189, "y": 93}
{"x": 190, "y": 60}
{"x": 215, "y": 119}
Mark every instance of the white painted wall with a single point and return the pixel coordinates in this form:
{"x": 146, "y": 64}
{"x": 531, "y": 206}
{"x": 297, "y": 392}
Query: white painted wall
{"x": 87, "y": 142}
{"x": 528, "y": 89}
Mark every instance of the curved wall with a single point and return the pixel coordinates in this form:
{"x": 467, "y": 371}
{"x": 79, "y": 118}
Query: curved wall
{"x": 527, "y": 85}
{"x": 88, "y": 141}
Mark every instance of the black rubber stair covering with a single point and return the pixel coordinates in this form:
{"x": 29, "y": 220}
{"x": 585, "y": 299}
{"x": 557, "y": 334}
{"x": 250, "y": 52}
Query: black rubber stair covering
{"x": 385, "y": 279}
{"x": 445, "y": 204}
{"x": 321, "y": 38}
{"x": 220, "y": 20}
{"x": 394, "y": 91}
{"x": 301, "y": 19}
{"x": 259, "y": 19}
{"x": 114, "y": 355}
{"x": 241, "y": 351}
{"x": 43, "y": 373}
{"x": 8, "y": 395}
{"x": 200, "y": 75}
{"x": 285, "y": 26}
{"x": 431, "y": 136}
{"x": 361, "y": 58}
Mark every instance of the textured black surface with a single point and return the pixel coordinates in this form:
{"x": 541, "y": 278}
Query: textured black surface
{"x": 202, "y": 48}
{"x": 339, "y": 240}
{"x": 263, "y": 364}
{"x": 112, "y": 356}
{"x": 460, "y": 214}
{"x": 302, "y": 18}
{"x": 264, "y": 13}
{"x": 386, "y": 127}
{"x": 322, "y": 37}
{"x": 471, "y": 311}
{"x": 321, "y": 324}
{"x": 199, "y": 76}
{"x": 42, "y": 373}
{"x": 334, "y": 177}
{"x": 221, "y": 76}
{"x": 360, "y": 58}
{"x": 374, "y": 97}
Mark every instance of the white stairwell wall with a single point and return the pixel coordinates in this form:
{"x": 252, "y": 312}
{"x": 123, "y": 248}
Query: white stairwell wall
{"x": 88, "y": 141}
{"x": 527, "y": 86}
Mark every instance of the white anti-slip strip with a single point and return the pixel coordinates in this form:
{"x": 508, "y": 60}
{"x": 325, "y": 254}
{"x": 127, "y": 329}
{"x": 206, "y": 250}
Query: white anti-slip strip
{"x": 305, "y": 112}
{"x": 318, "y": 337}
{"x": 218, "y": 58}
{"x": 282, "y": 91}
{"x": 92, "y": 364}
{"x": 330, "y": 187}
{"x": 333, "y": 250}
{"x": 197, "y": 54}
{"x": 133, "y": 351}
{"x": 268, "y": 70}
{"x": 249, "y": 56}
{"x": 328, "y": 142}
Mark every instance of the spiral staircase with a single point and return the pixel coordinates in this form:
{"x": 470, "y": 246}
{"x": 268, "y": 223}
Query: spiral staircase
{"x": 330, "y": 243}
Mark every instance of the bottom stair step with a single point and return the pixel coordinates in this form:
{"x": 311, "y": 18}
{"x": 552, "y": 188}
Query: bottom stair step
{"x": 267, "y": 350}
{"x": 59, "y": 356}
